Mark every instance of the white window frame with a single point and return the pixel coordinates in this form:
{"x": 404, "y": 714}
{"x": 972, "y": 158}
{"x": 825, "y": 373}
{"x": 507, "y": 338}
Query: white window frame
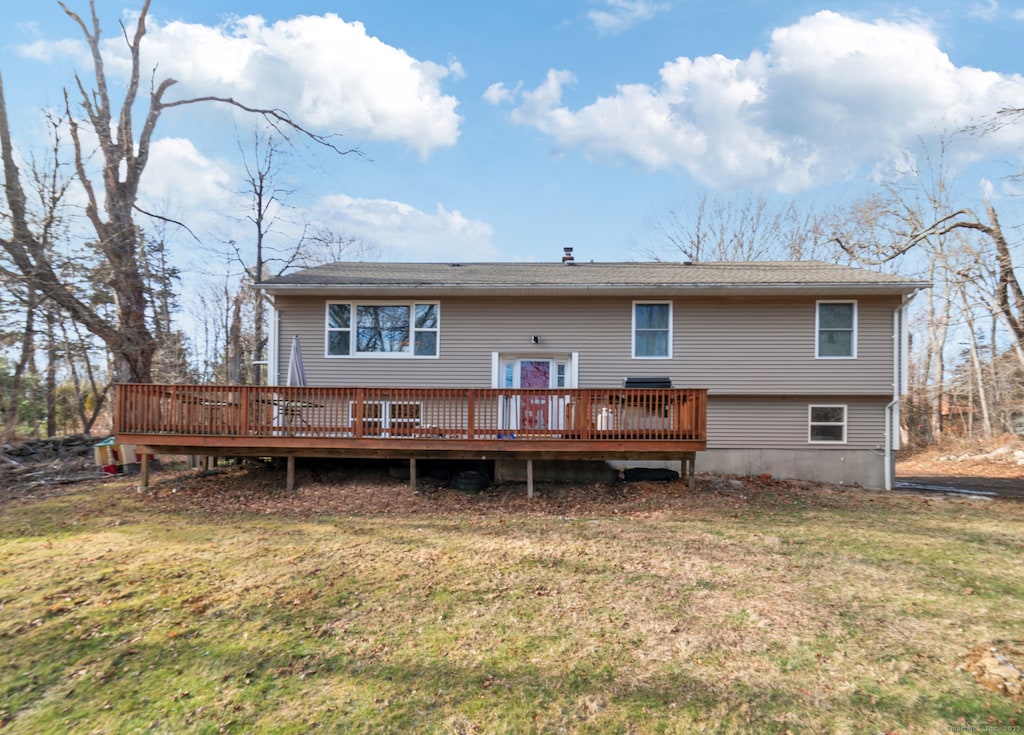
{"x": 413, "y": 330}
{"x": 811, "y": 423}
{"x": 503, "y": 368}
{"x": 328, "y": 330}
{"x": 853, "y": 331}
{"x": 632, "y": 333}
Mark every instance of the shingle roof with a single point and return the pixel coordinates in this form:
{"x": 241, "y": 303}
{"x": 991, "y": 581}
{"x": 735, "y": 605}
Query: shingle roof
{"x": 643, "y": 277}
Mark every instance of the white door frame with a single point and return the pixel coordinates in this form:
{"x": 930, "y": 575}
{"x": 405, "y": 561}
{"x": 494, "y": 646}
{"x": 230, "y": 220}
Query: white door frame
{"x": 506, "y": 368}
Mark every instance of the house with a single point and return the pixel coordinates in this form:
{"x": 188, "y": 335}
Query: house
{"x": 803, "y": 362}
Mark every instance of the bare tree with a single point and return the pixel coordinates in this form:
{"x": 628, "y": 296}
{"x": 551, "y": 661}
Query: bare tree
{"x": 112, "y": 203}
{"x": 977, "y": 370}
{"x": 1006, "y": 298}
{"x": 745, "y": 229}
{"x": 24, "y": 365}
{"x": 274, "y": 253}
{"x": 969, "y": 259}
{"x": 261, "y": 175}
{"x": 44, "y": 204}
{"x": 87, "y": 391}
{"x": 1005, "y": 295}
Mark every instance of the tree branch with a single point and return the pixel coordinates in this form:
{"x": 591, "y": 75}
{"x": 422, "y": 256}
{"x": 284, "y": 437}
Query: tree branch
{"x": 168, "y": 220}
{"x": 276, "y": 118}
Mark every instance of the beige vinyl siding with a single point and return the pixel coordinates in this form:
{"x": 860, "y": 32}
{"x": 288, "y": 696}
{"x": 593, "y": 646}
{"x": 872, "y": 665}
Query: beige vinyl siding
{"x": 782, "y": 422}
{"x": 766, "y": 346}
{"x": 757, "y": 346}
{"x": 462, "y": 362}
{"x": 471, "y": 329}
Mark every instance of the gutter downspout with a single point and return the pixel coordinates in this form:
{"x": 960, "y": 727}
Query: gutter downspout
{"x": 272, "y": 344}
{"x": 901, "y": 346}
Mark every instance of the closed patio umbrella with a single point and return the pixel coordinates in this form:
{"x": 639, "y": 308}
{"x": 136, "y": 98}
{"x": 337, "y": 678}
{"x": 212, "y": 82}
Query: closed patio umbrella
{"x": 296, "y": 371}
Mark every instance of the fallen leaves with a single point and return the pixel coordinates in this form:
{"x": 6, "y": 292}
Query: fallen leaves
{"x": 349, "y": 489}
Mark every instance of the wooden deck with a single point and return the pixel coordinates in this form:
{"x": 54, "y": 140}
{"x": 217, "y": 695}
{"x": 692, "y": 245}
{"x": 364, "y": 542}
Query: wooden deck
{"x": 466, "y": 423}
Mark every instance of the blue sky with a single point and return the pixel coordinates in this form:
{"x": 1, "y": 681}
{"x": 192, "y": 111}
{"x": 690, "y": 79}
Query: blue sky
{"x": 507, "y": 131}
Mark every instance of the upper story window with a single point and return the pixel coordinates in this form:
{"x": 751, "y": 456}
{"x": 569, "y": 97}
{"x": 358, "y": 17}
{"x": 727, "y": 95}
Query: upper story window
{"x": 836, "y": 329}
{"x": 652, "y": 329}
{"x": 403, "y": 330}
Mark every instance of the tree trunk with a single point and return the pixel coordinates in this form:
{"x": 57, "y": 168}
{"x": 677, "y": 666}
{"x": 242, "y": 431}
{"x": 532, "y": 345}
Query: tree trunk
{"x": 979, "y": 377}
{"x": 938, "y": 326}
{"x": 51, "y": 375}
{"x": 23, "y": 365}
{"x": 234, "y": 342}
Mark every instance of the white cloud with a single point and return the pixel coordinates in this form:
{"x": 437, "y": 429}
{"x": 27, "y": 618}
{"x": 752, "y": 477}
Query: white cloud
{"x": 205, "y": 194}
{"x": 405, "y": 233}
{"x": 829, "y": 95}
{"x": 620, "y": 15}
{"x": 498, "y": 93}
{"x": 984, "y": 10}
{"x": 181, "y": 179}
{"x": 456, "y": 68}
{"x": 328, "y": 74}
{"x": 50, "y": 50}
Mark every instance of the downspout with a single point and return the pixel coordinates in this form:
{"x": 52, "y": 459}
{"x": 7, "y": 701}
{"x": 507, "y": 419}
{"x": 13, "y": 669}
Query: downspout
{"x": 901, "y": 344}
{"x": 272, "y": 344}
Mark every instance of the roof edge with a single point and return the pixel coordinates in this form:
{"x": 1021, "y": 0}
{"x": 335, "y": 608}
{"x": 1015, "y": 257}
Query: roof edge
{"x": 836, "y": 287}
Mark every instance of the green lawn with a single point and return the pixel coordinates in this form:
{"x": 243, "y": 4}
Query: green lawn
{"x": 809, "y": 610}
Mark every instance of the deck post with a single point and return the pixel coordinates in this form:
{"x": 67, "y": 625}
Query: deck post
{"x": 290, "y": 474}
{"x": 412, "y": 474}
{"x": 690, "y": 469}
{"x": 529, "y": 478}
{"x": 244, "y": 400}
{"x": 144, "y": 472}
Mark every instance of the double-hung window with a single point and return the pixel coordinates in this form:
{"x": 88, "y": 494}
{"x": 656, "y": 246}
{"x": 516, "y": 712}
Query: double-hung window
{"x": 827, "y": 425}
{"x": 652, "y": 329}
{"x": 836, "y": 329}
{"x": 386, "y": 329}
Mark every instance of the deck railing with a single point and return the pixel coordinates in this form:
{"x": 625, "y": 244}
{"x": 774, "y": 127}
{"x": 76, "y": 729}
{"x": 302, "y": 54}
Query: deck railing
{"x": 466, "y": 414}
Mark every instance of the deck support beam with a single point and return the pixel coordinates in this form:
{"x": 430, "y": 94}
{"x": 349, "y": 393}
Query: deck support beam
{"x": 412, "y": 474}
{"x": 144, "y": 472}
{"x": 290, "y": 481}
{"x": 689, "y": 468}
{"x": 529, "y": 478}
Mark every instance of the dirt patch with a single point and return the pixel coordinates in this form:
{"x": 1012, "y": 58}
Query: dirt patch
{"x": 998, "y": 666}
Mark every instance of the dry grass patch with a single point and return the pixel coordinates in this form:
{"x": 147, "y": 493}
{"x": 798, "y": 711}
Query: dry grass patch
{"x": 224, "y": 604}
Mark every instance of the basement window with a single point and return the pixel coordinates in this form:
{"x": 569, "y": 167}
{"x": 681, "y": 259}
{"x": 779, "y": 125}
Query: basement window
{"x": 827, "y": 425}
